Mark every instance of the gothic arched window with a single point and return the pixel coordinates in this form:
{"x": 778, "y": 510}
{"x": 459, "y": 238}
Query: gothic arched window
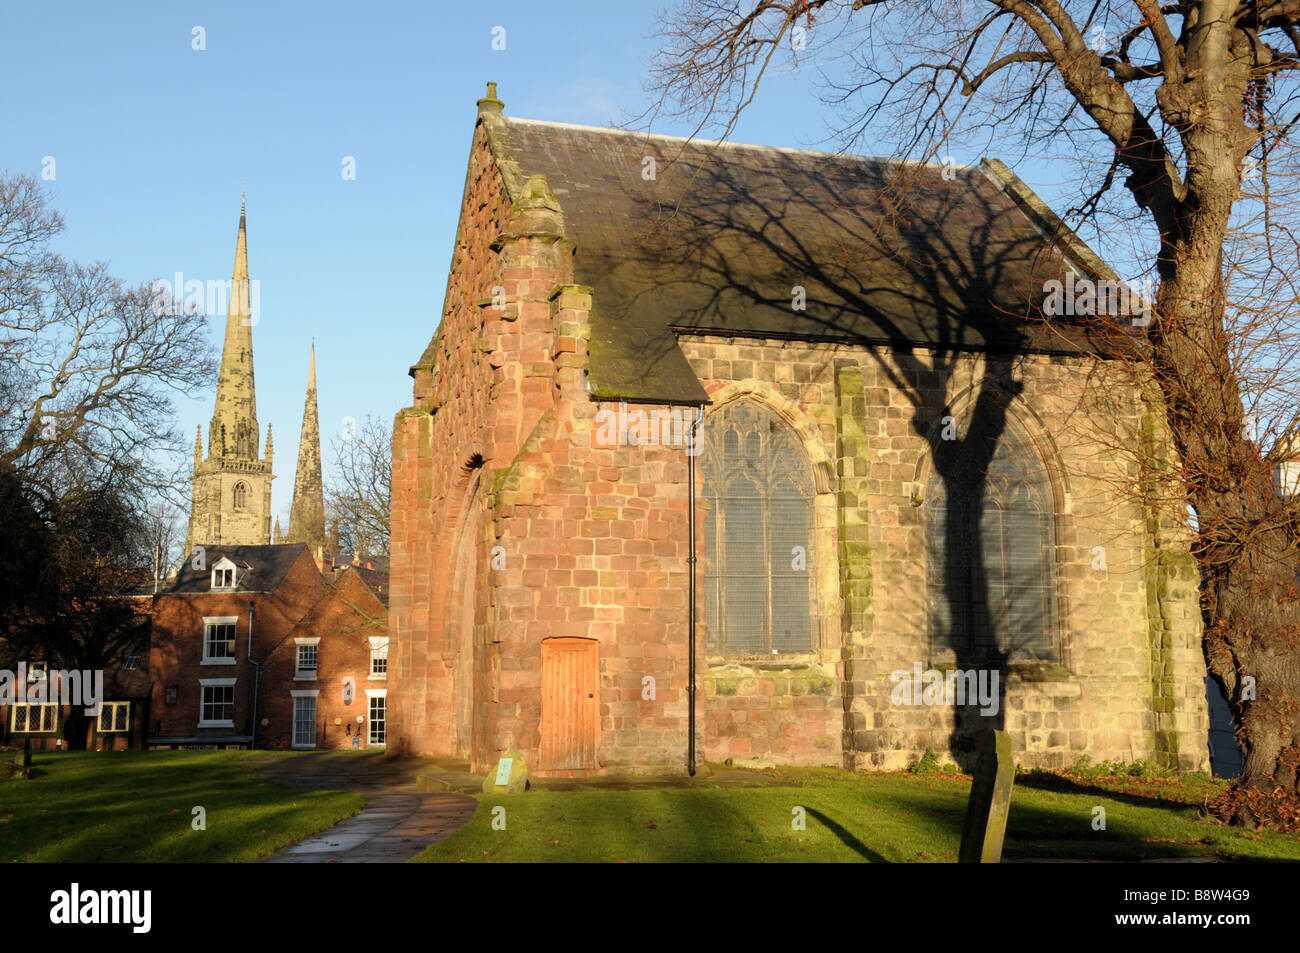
{"x": 758, "y": 570}
{"x": 991, "y": 541}
{"x": 241, "y": 495}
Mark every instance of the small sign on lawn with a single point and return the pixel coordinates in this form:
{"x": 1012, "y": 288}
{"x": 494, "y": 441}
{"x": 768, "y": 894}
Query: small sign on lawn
{"x": 503, "y": 771}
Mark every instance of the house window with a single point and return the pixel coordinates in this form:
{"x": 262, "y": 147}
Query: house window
{"x": 759, "y": 571}
{"x": 991, "y": 541}
{"x": 378, "y": 717}
{"x": 132, "y": 662}
{"x": 224, "y": 574}
{"x": 219, "y": 640}
{"x": 304, "y": 719}
{"x": 379, "y": 657}
{"x": 114, "y": 716}
{"x": 306, "y": 664}
{"x": 218, "y": 703}
{"x": 28, "y": 718}
{"x": 170, "y": 694}
{"x": 241, "y": 490}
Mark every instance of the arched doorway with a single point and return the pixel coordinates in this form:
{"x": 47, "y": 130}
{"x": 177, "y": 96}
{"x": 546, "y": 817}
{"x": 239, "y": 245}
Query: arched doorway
{"x": 461, "y": 616}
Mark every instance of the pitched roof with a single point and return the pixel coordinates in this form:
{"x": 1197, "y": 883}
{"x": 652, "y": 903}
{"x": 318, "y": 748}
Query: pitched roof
{"x": 258, "y": 568}
{"x": 375, "y": 580}
{"x": 720, "y": 236}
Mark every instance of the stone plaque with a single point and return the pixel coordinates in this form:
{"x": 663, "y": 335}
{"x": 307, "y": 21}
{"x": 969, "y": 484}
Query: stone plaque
{"x": 503, "y": 771}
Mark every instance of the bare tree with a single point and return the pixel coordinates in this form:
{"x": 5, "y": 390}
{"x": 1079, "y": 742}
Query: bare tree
{"x": 162, "y": 529}
{"x": 1190, "y": 108}
{"x": 87, "y": 366}
{"x": 359, "y": 502}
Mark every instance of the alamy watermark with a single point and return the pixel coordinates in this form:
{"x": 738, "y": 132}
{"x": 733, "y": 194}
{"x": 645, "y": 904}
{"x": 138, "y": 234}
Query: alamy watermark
{"x": 212, "y": 297}
{"x": 678, "y": 427}
{"x": 1101, "y": 298}
{"x": 953, "y": 688}
{"x": 41, "y": 687}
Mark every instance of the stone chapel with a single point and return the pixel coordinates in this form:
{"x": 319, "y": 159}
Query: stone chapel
{"x": 723, "y": 451}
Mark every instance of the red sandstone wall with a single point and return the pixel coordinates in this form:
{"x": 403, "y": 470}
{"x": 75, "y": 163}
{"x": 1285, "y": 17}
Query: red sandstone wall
{"x": 453, "y": 411}
{"x": 561, "y": 538}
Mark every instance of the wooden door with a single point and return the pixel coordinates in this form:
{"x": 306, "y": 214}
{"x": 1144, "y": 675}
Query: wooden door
{"x": 570, "y": 709}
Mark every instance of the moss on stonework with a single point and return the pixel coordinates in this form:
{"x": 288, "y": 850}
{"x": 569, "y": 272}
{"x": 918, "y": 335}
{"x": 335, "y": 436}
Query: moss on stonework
{"x": 855, "y": 550}
{"x": 1040, "y": 673}
{"x": 1158, "y": 565}
{"x": 853, "y": 463}
{"x": 730, "y": 679}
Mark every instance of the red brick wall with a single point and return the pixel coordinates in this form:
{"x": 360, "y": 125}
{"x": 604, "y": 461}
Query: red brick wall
{"x": 176, "y": 650}
{"x": 344, "y": 620}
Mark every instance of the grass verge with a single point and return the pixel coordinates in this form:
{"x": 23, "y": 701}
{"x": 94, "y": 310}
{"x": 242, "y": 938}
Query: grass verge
{"x": 129, "y": 806}
{"x": 896, "y": 817}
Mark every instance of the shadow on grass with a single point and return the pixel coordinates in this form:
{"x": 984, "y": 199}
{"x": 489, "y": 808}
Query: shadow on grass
{"x": 846, "y": 837}
{"x": 1058, "y": 784}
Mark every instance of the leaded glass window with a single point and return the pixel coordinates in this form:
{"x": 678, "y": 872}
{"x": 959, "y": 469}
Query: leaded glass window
{"x": 758, "y": 571}
{"x": 990, "y": 535}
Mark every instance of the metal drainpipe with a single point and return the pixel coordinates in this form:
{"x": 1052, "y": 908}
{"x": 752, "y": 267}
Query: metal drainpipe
{"x": 257, "y": 676}
{"x": 690, "y": 561}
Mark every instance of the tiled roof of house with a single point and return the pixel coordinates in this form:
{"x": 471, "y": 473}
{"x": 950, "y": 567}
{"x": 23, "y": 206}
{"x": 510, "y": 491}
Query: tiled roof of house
{"x": 718, "y": 237}
{"x": 259, "y": 568}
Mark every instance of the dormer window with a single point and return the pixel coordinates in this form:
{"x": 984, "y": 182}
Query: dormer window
{"x": 223, "y": 574}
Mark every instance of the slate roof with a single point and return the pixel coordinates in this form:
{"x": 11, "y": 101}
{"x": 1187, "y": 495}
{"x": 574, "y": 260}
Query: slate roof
{"x": 259, "y": 568}
{"x": 887, "y": 252}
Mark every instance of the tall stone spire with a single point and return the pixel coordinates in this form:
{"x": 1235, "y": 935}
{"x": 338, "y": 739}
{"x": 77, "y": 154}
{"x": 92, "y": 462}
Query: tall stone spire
{"x": 233, "y": 431}
{"x": 307, "y": 516}
{"x": 231, "y": 499}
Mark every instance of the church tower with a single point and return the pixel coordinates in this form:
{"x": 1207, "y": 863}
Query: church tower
{"x": 307, "y": 517}
{"x": 231, "y": 502}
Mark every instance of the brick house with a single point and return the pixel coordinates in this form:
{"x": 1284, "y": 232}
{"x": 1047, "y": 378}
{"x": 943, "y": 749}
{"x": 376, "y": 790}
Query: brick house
{"x": 119, "y": 724}
{"x": 902, "y": 469}
{"x": 315, "y": 675}
{"x": 125, "y": 694}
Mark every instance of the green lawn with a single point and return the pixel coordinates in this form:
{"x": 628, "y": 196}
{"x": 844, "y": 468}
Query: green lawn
{"x": 874, "y": 817}
{"x": 138, "y": 806}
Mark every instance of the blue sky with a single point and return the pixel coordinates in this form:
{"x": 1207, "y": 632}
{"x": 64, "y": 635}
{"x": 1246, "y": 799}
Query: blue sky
{"x": 154, "y": 140}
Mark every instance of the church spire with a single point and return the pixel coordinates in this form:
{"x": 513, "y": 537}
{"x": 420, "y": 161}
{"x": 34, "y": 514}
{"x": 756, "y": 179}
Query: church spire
{"x": 231, "y": 488}
{"x": 233, "y": 432}
{"x": 307, "y": 515}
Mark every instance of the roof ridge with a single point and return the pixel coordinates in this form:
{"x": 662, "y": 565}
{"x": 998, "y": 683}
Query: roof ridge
{"x": 736, "y": 145}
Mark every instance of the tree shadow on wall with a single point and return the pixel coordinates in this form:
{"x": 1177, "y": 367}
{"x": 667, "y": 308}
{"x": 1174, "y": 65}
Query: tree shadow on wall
{"x": 890, "y": 256}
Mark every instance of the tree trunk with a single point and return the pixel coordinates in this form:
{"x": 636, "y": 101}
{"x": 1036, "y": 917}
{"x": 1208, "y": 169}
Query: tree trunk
{"x": 1245, "y": 545}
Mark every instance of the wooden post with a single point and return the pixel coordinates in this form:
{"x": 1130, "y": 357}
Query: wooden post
{"x": 990, "y": 800}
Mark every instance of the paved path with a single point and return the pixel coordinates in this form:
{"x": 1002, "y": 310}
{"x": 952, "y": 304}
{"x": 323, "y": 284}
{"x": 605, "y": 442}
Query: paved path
{"x": 397, "y": 823}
